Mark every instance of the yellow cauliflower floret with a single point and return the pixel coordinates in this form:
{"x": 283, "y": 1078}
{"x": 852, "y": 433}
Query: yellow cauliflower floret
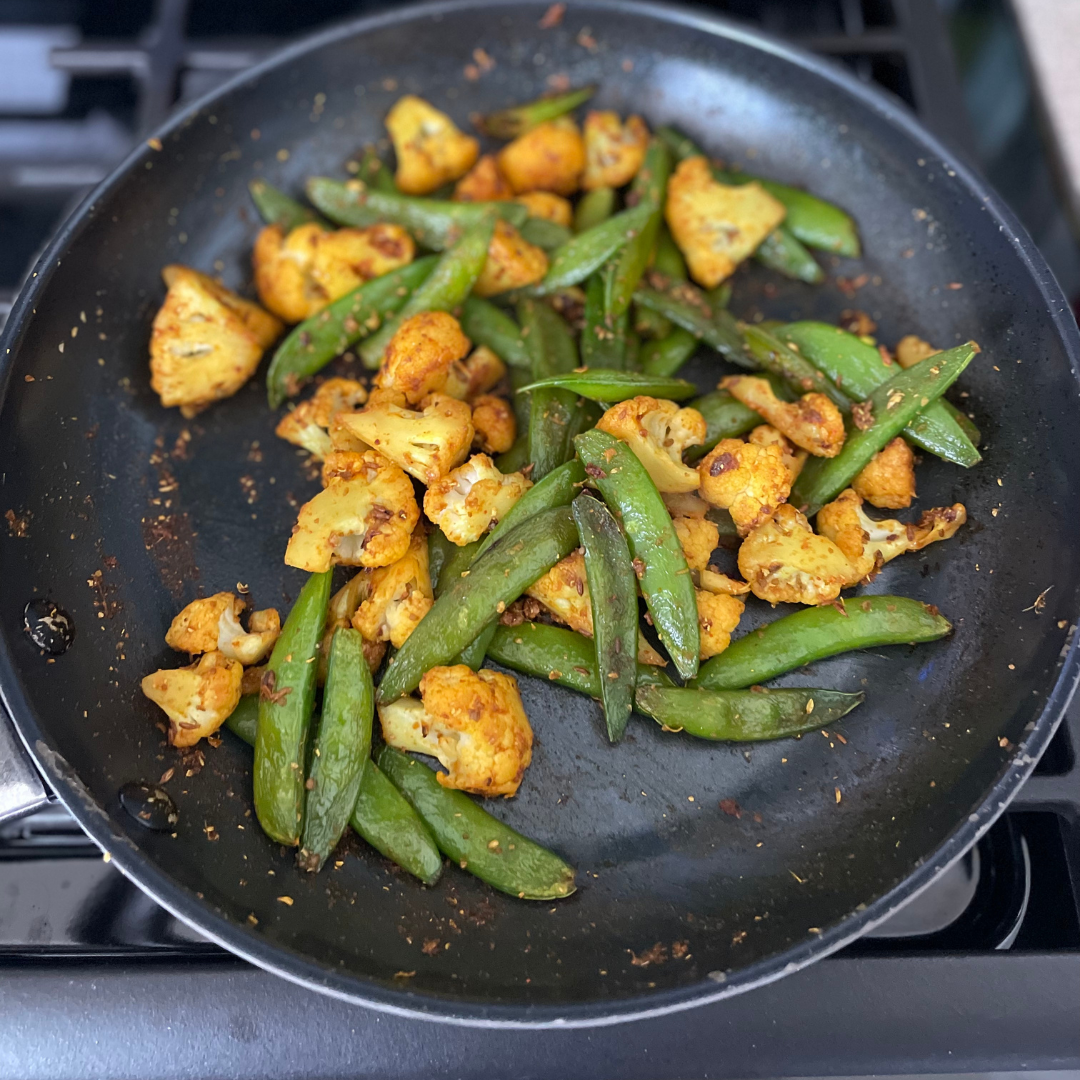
{"x": 472, "y": 721}
{"x": 767, "y": 435}
{"x": 658, "y": 432}
{"x": 717, "y": 225}
{"x": 614, "y": 151}
{"x": 548, "y": 206}
{"x": 420, "y": 354}
{"x": 307, "y": 425}
{"x": 786, "y": 563}
{"x": 429, "y": 146}
{"x": 206, "y": 341}
{"x": 494, "y": 424}
{"x": 483, "y": 183}
{"x": 400, "y": 596}
{"x": 711, "y": 580}
{"x": 339, "y": 614}
{"x": 888, "y": 481}
{"x": 425, "y": 444}
{"x": 475, "y": 375}
{"x": 299, "y": 274}
{"x": 718, "y": 615}
{"x": 512, "y": 262}
{"x": 746, "y": 479}
{"x": 911, "y": 350}
{"x": 213, "y": 623}
{"x": 813, "y": 422}
{"x": 564, "y": 591}
{"x": 698, "y": 538}
{"x": 197, "y": 699}
{"x": 549, "y": 157}
{"x": 366, "y": 521}
{"x": 472, "y": 499}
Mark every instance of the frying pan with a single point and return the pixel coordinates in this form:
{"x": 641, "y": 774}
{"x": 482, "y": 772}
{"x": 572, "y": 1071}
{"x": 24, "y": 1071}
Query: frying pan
{"x": 704, "y": 869}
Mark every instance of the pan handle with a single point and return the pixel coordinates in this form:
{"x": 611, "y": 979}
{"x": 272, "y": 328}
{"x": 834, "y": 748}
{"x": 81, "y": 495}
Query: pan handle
{"x": 21, "y": 788}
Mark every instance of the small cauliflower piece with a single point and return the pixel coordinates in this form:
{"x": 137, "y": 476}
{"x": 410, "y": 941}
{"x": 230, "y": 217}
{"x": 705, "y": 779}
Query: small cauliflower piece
{"x": 658, "y": 432}
{"x": 483, "y": 183}
{"x": 213, "y": 623}
{"x": 366, "y": 521}
{"x": 494, "y": 423}
{"x": 206, "y": 341}
{"x": 548, "y": 206}
{"x": 429, "y": 146}
{"x": 475, "y": 375}
{"x": 614, "y": 151}
{"x": 767, "y": 435}
{"x": 786, "y": 563}
{"x": 746, "y": 479}
{"x": 419, "y": 356}
{"x": 911, "y": 350}
{"x": 813, "y": 422}
{"x": 564, "y": 591}
{"x": 699, "y": 539}
{"x": 717, "y": 226}
{"x": 253, "y": 645}
{"x": 685, "y": 504}
{"x": 472, "y": 499}
{"x": 197, "y": 699}
{"x": 718, "y": 615}
{"x": 512, "y": 262}
{"x": 888, "y": 481}
{"x": 308, "y": 424}
{"x": 548, "y": 157}
{"x": 339, "y": 614}
{"x": 400, "y": 596}
{"x": 425, "y": 444}
{"x": 711, "y": 580}
{"x": 472, "y": 721}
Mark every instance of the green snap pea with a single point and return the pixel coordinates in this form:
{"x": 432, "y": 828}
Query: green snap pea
{"x": 473, "y": 654}
{"x": 316, "y": 341}
{"x": 603, "y": 338}
{"x": 517, "y": 457}
{"x": 685, "y": 306}
{"x": 669, "y": 261}
{"x": 659, "y": 562}
{"x": 666, "y": 355}
{"x": 614, "y": 603}
{"x": 725, "y": 418}
{"x": 575, "y": 260}
{"x": 342, "y": 747}
{"x": 651, "y": 324}
{"x": 814, "y": 633}
{"x": 609, "y": 386}
{"x": 486, "y": 324}
{"x": 633, "y": 351}
{"x": 286, "y": 701}
{"x": 453, "y": 560}
{"x": 893, "y": 405}
{"x": 277, "y": 208}
{"x": 773, "y": 356}
{"x": 515, "y": 121}
{"x": 594, "y": 207}
{"x": 858, "y": 369}
{"x": 468, "y": 604}
{"x": 476, "y": 841}
{"x": 243, "y": 721}
{"x": 744, "y": 715}
{"x": 544, "y": 234}
{"x": 780, "y": 251}
{"x": 374, "y": 172}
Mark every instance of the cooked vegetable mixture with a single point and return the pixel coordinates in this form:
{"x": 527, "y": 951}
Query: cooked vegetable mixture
{"x": 519, "y": 478}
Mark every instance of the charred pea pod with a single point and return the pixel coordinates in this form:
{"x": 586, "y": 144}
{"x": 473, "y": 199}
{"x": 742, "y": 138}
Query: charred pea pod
{"x": 594, "y": 207}
{"x": 725, "y": 418}
{"x": 277, "y": 208}
{"x": 666, "y": 355}
{"x": 610, "y": 386}
{"x": 603, "y": 338}
{"x": 515, "y": 121}
{"x": 773, "y": 356}
{"x": 687, "y": 307}
{"x": 575, "y": 260}
{"x": 486, "y": 324}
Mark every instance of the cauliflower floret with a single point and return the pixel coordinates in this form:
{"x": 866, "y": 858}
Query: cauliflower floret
{"x": 483, "y": 183}
{"x": 548, "y": 206}
{"x": 718, "y": 615}
{"x": 494, "y": 423}
{"x": 785, "y": 562}
{"x": 400, "y": 596}
{"x": 748, "y": 480}
{"x": 767, "y": 435}
{"x": 711, "y": 580}
{"x": 698, "y": 538}
{"x": 472, "y": 721}
{"x": 214, "y": 623}
{"x": 307, "y": 425}
{"x": 472, "y": 499}
{"x": 339, "y": 614}
{"x": 685, "y": 504}
{"x": 419, "y": 356}
{"x": 206, "y": 341}
{"x": 366, "y": 521}
{"x": 888, "y": 481}
{"x": 613, "y": 151}
{"x": 911, "y": 350}
{"x": 429, "y": 146}
{"x": 253, "y": 645}
{"x": 299, "y": 274}
{"x": 813, "y": 422}
{"x": 548, "y": 157}
{"x": 475, "y": 375}
{"x": 716, "y": 225}
{"x": 658, "y": 432}
{"x": 197, "y": 699}
{"x": 564, "y": 591}
{"x": 512, "y": 262}
{"x": 425, "y": 444}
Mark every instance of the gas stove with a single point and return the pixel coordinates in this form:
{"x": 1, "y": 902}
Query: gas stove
{"x": 96, "y": 979}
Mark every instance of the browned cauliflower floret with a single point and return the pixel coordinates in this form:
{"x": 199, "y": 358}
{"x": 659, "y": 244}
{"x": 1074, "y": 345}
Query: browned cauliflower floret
{"x": 475, "y": 375}
{"x": 718, "y": 615}
{"x": 888, "y": 481}
{"x": 197, "y": 699}
{"x": 748, "y": 480}
{"x": 512, "y": 262}
{"x": 429, "y": 147}
{"x": 698, "y": 538}
{"x": 494, "y": 423}
{"x": 813, "y": 422}
{"x": 549, "y": 157}
{"x": 614, "y": 151}
{"x": 400, "y": 596}
{"x": 786, "y": 563}
{"x": 483, "y": 183}
{"x": 549, "y": 206}
{"x": 421, "y": 353}
{"x": 658, "y": 432}
{"x": 206, "y": 341}
{"x": 564, "y": 591}
{"x": 767, "y": 435}
{"x": 472, "y": 721}
{"x": 425, "y": 444}
{"x": 472, "y": 499}
{"x": 912, "y": 349}
{"x": 299, "y": 274}
{"x": 716, "y": 225}
{"x": 214, "y": 623}
{"x": 307, "y": 425}
{"x": 366, "y": 521}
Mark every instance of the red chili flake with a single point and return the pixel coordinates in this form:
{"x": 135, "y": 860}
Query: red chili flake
{"x": 552, "y": 17}
{"x": 658, "y": 954}
{"x": 731, "y": 808}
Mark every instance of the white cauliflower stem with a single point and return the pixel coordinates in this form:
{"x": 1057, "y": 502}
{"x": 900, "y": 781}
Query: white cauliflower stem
{"x": 308, "y": 424}
{"x": 473, "y": 498}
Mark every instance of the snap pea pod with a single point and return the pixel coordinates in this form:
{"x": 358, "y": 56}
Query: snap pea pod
{"x": 243, "y": 721}
{"x": 633, "y": 351}
{"x": 780, "y": 251}
{"x": 515, "y": 121}
{"x": 444, "y": 289}
{"x": 547, "y": 235}
{"x": 594, "y": 207}
{"x": 814, "y": 633}
{"x": 312, "y": 344}
{"x": 440, "y": 548}
{"x": 575, "y": 260}
{"x": 802, "y": 377}
{"x": 666, "y": 355}
{"x": 452, "y": 563}
{"x": 725, "y": 418}
{"x": 744, "y": 715}
{"x": 474, "y": 653}
{"x": 893, "y": 406}
{"x": 468, "y": 604}
{"x": 603, "y": 338}
{"x": 277, "y": 208}
{"x": 342, "y": 748}
{"x": 486, "y": 324}
{"x": 858, "y": 369}
{"x": 286, "y": 700}
{"x": 685, "y": 306}
{"x": 603, "y": 385}
{"x": 476, "y": 841}
{"x": 659, "y": 562}
{"x": 668, "y": 259}
{"x": 614, "y": 603}
{"x": 374, "y": 172}
{"x": 651, "y": 324}
{"x": 517, "y": 457}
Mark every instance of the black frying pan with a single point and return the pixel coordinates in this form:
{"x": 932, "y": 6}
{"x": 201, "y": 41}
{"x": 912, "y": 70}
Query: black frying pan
{"x": 949, "y": 730}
